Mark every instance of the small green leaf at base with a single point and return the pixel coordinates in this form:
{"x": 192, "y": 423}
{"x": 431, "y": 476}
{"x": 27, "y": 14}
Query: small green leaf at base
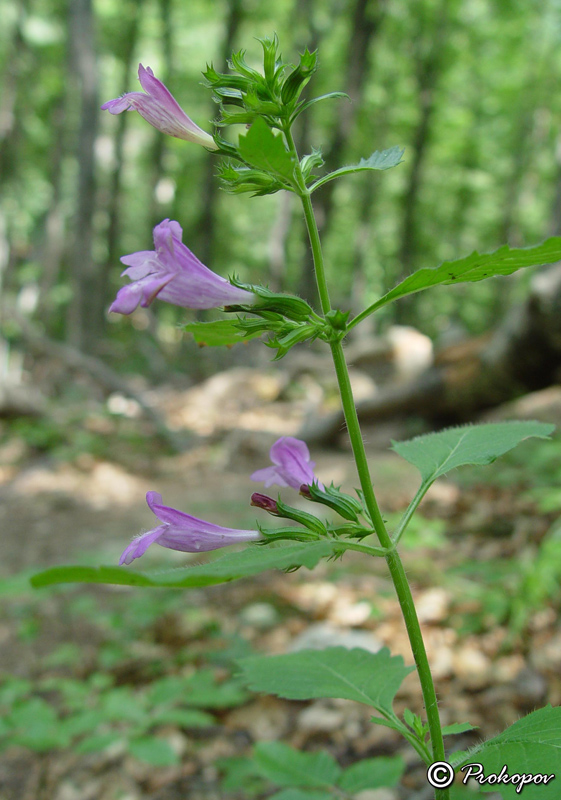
{"x": 435, "y": 454}
{"x": 457, "y": 727}
{"x": 531, "y": 746}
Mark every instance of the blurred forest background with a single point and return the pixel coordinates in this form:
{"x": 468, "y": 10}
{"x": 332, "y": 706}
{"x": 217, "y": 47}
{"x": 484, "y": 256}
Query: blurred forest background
{"x": 468, "y": 88}
{"x": 109, "y": 692}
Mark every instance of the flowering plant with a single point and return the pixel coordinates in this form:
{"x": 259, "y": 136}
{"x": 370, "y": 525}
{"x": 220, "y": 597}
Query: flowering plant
{"x": 265, "y": 160}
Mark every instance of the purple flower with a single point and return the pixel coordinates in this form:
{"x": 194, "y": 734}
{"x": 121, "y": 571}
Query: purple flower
{"x": 172, "y": 273}
{"x": 292, "y": 465}
{"x": 160, "y": 108}
{"x": 180, "y": 531}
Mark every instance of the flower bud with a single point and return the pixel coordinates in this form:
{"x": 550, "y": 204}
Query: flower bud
{"x": 265, "y": 502}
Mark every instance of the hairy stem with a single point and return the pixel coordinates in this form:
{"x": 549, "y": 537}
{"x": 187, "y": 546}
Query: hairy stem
{"x": 392, "y": 557}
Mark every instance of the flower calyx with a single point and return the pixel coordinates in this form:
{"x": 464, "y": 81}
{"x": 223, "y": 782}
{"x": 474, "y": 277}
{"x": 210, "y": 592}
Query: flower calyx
{"x": 345, "y": 505}
{"x": 279, "y": 509}
{"x": 243, "y": 94}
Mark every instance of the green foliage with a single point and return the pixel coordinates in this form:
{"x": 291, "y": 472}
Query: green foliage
{"x": 531, "y": 745}
{"x": 370, "y": 678}
{"x": 380, "y": 160}
{"x": 218, "y": 333}
{"x": 510, "y": 591}
{"x": 435, "y": 454}
{"x": 310, "y": 775}
{"x": 262, "y": 149}
{"x": 475, "y": 267}
{"x": 91, "y": 715}
{"x": 233, "y": 566}
{"x": 285, "y": 766}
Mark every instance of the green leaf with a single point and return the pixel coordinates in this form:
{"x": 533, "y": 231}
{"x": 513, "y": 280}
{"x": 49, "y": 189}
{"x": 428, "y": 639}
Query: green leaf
{"x": 218, "y": 333}
{"x": 381, "y": 159}
{"x": 153, "y": 750}
{"x": 458, "y": 727}
{"x": 530, "y": 746}
{"x": 261, "y": 148}
{"x": 202, "y": 691}
{"x": 122, "y": 705}
{"x": 251, "y": 561}
{"x": 475, "y": 267}
{"x": 370, "y": 678}
{"x": 35, "y": 724}
{"x": 372, "y": 773}
{"x": 285, "y": 766}
{"x": 435, "y": 454}
{"x": 300, "y": 794}
{"x": 183, "y": 718}
{"x": 98, "y": 742}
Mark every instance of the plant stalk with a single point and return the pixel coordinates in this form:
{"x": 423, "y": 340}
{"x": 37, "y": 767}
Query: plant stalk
{"x": 392, "y": 557}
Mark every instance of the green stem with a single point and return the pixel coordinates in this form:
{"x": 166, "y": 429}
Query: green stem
{"x": 412, "y": 507}
{"x": 380, "y": 552}
{"x": 393, "y": 560}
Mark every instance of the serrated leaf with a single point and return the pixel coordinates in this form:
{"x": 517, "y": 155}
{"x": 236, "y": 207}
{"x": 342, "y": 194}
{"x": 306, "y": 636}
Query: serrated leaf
{"x": 233, "y": 566}
{"x": 219, "y": 333}
{"x": 370, "y": 678}
{"x": 153, "y": 750}
{"x": 475, "y": 267}
{"x": 285, "y": 766}
{"x": 458, "y": 727}
{"x": 262, "y": 149}
{"x": 435, "y": 454}
{"x": 372, "y": 773}
{"x": 532, "y": 745}
{"x": 379, "y": 160}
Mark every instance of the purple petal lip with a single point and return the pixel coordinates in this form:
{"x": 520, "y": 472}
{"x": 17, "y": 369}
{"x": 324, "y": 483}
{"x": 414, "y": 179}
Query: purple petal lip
{"x": 160, "y": 108}
{"x": 180, "y": 531}
{"x": 291, "y": 465}
{"x": 173, "y": 273}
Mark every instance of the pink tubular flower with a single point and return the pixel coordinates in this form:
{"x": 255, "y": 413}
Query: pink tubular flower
{"x": 173, "y": 273}
{"x": 292, "y": 465}
{"x": 180, "y": 531}
{"x": 160, "y": 108}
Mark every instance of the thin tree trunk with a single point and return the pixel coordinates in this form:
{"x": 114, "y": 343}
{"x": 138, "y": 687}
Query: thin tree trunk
{"x": 428, "y": 72}
{"x": 86, "y": 316}
{"x": 207, "y": 222}
{"x": 159, "y": 147}
{"x": 114, "y": 199}
{"x": 366, "y": 21}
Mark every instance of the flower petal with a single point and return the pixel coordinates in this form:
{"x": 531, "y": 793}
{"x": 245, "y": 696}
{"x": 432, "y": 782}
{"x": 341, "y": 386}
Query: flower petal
{"x": 140, "y": 544}
{"x": 269, "y": 476}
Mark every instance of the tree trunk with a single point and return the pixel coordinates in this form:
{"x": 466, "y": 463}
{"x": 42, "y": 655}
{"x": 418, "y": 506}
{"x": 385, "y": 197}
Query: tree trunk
{"x": 114, "y": 200}
{"x": 428, "y": 70}
{"x": 207, "y": 223}
{"x": 366, "y": 21}
{"x": 522, "y": 355}
{"x": 86, "y": 314}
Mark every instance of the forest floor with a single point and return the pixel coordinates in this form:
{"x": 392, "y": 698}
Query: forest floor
{"x": 489, "y": 621}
